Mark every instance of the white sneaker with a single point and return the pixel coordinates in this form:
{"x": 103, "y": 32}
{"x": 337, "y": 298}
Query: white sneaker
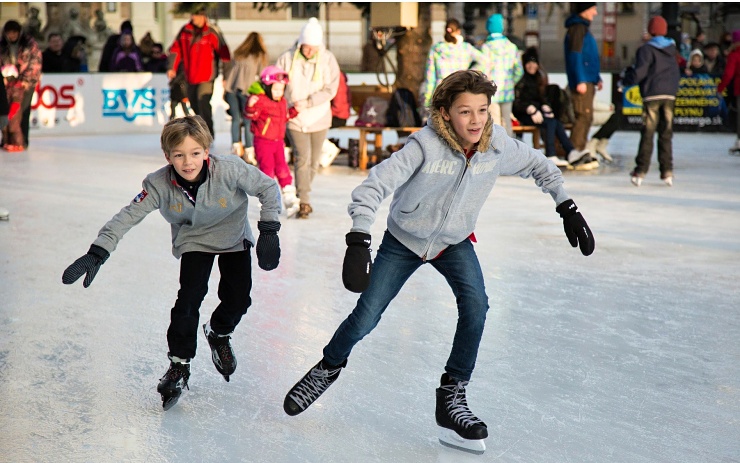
{"x": 558, "y": 161}
{"x": 237, "y": 149}
{"x": 4, "y": 214}
{"x": 576, "y": 155}
{"x": 249, "y": 155}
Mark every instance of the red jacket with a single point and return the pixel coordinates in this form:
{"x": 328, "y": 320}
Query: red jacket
{"x": 198, "y": 50}
{"x": 342, "y": 100}
{"x": 732, "y": 72}
{"x": 269, "y": 117}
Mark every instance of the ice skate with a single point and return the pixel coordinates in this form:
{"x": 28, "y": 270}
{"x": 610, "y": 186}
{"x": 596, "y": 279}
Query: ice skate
{"x": 635, "y": 178}
{"x": 459, "y": 428}
{"x": 601, "y": 145}
{"x": 171, "y": 384}
{"x": 310, "y": 387}
{"x": 4, "y": 214}
{"x": 735, "y": 150}
{"x": 667, "y": 178}
{"x": 585, "y": 162}
{"x": 290, "y": 201}
{"x": 221, "y": 352}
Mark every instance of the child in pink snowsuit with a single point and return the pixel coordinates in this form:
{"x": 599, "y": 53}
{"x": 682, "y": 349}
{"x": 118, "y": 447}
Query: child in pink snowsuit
{"x": 269, "y": 113}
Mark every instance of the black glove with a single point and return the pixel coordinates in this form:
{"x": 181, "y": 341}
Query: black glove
{"x": 357, "y": 262}
{"x": 576, "y": 228}
{"x": 89, "y": 263}
{"x": 268, "y": 245}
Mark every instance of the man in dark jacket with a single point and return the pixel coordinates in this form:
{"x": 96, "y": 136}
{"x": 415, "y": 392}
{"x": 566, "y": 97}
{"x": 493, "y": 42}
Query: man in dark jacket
{"x": 53, "y": 59}
{"x": 199, "y": 47}
{"x": 657, "y": 73}
{"x": 582, "y": 67}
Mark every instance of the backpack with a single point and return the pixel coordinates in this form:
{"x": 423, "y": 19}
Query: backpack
{"x": 560, "y": 102}
{"x": 373, "y": 112}
{"x": 402, "y": 110}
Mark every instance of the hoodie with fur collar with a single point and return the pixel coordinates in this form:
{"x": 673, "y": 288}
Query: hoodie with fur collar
{"x": 438, "y": 192}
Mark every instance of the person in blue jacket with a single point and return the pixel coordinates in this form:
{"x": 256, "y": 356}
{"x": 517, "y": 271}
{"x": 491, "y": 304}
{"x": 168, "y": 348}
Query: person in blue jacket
{"x": 582, "y": 67}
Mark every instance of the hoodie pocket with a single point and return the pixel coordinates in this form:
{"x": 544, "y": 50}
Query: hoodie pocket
{"x": 419, "y": 220}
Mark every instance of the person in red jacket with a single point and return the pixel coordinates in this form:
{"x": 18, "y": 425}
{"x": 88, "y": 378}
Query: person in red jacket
{"x": 732, "y": 74}
{"x": 341, "y": 103}
{"x": 268, "y": 110}
{"x": 198, "y": 46}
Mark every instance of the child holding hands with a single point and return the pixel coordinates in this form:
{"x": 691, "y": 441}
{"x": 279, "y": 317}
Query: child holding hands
{"x": 204, "y": 197}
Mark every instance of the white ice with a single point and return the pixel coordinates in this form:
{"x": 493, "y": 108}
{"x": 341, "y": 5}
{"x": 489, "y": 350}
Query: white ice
{"x": 629, "y": 355}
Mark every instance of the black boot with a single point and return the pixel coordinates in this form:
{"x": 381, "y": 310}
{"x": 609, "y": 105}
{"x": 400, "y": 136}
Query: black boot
{"x": 311, "y": 386}
{"x": 171, "y": 384}
{"x": 453, "y": 412}
{"x": 221, "y": 352}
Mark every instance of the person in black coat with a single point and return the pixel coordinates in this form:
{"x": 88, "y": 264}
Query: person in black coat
{"x": 111, "y": 45}
{"x": 531, "y": 107}
{"x": 53, "y": 59}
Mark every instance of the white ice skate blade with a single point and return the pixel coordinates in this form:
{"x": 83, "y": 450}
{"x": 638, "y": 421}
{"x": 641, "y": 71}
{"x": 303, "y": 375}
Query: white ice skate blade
{"x": 450, "y": 438}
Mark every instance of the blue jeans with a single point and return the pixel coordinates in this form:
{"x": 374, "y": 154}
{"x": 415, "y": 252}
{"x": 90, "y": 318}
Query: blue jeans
{"x": 554, "y": 128}
{"x": 237, "y": 101}
{"x": 394, "y": 264}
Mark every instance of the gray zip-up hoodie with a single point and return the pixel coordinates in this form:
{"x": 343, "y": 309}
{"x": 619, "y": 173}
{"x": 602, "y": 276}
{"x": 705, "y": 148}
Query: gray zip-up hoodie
{"x": 216, "y": 222}
{"x": 437, "y": 192}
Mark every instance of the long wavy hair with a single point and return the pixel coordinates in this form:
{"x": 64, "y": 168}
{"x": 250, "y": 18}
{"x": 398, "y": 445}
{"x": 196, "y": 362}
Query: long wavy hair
{"x": 252, "y": 46}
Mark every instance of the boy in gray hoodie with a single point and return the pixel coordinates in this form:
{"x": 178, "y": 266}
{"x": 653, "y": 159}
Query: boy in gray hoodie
{"x": 204, "y": 198}
{"x": 440, "y": 181}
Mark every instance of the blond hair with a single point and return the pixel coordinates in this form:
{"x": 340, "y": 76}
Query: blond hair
{"x": 176, "y": 130}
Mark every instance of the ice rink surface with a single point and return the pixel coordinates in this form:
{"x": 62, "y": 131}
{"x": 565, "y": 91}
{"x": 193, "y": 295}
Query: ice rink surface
{"x": 629, "y": 355}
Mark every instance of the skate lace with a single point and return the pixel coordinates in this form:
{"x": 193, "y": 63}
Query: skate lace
{"x": 313, "y": 386}
{"x": 177, "y": 372}
{"x": 221, "y": 344}
{"x": 457, "y": 405}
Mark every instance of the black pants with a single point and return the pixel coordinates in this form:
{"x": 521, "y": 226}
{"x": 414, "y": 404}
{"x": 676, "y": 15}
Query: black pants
{"x": 233, "y": 292}
{"x": 610, "y": 126}
{"x": 200, "y": 100}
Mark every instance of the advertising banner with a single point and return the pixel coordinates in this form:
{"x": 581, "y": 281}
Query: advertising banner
{"x": 698, "y": 106}
{"x": 107, "y": 103}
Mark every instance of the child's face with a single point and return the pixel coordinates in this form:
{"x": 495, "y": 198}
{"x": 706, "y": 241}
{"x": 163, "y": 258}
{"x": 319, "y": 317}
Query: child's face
{"x": 531, "y": 67}
{"x": 277, "y": 90}
{"x": 696, "y": 61}
{"x": 468, "y": 115}
{"x": 187, "y": 158}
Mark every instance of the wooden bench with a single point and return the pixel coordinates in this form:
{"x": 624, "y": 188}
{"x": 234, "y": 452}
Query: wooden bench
{"x": 377, "y": 134}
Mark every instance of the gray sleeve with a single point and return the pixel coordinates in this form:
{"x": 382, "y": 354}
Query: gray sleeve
{"x": 131, "y": 215}
{"x": 522, "y": 160}
{"x": 255, "y": 183}
{"x": 382, "y": 181}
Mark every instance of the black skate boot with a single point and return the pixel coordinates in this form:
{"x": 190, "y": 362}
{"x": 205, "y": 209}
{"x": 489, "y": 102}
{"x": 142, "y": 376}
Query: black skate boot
{"x": 221, "y": 352}
{"x": 460, "y": 428}
{"x": 311, "y": 386}
{"x": 171, "y": 384}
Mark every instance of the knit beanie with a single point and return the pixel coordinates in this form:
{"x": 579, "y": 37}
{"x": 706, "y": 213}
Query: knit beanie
{"x": 736, "y": 35}
{"x": 495, "y": 24}
{"x": 311, "y": 34}
{"x": 530, "y": 55}
{"x": 580, "y": 7}
{"x": 657, "y": 26}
